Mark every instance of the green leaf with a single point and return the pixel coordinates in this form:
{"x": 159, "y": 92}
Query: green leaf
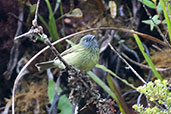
{"x": 51, "y": 90}
{"x": 164, "y": 21}
{"x": 75, "y": 13}
{"x": 150, "y": 22}
{"x": 33, "y": 8}
{"x": 152, "y": 26}
{"x": 159, "y": 8}
{"x": 147, "y": 58}
{"x": 148, "y": 3}
{"x": 169, "y": 7}
{"x": 64, "y": 105}
{"x": 70, "y": 42}
{"x": 147, "y": 22}
{"x": 155, "y": 19}
{"x": 43, "y": 21}
{"x": 101, "y": 83}
{"x": 56, "y": 5}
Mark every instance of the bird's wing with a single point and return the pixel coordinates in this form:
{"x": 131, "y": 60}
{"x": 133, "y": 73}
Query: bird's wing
{"x": 72, "y": 49}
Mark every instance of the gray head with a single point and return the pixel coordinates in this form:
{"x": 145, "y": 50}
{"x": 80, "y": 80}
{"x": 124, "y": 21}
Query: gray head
{"x": 89, "y": 41}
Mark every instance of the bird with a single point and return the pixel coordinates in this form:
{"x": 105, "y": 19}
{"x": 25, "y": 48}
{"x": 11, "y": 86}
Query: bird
{"x": 83, "y": 56}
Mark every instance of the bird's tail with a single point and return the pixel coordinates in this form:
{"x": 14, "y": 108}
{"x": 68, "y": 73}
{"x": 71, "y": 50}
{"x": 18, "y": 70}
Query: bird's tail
{"x": 45, "y": 65}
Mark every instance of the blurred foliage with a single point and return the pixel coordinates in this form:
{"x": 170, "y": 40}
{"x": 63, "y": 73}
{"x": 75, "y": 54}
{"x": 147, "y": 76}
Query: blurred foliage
{"x": 155, "y": 21}
{"x": 156, "y": 92}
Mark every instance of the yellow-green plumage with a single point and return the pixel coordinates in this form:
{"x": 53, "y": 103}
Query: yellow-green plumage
{"x": 83, "y": 56}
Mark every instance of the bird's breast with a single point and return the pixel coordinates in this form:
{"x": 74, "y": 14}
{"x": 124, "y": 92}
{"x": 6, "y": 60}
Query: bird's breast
{"x": 84, "y": 59}
{"x": 88, "y": 60}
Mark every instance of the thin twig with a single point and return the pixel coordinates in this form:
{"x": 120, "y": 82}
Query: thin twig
{"x": 7, "y": 107}
{"x": 127, "y": 64}
{"x": 14, "y": 52}
{"x": 34, "y": 22}
{"x": 31, "y": 31}
{"x": 53, "y": 49}
{"x": 145, "y": 66}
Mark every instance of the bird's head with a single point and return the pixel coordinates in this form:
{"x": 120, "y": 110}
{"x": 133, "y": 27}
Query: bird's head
{"x": 89, "y": 41}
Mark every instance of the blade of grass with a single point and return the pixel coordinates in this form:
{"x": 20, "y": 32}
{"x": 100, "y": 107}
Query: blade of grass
{"x": 63, "y": 25}
{"x": 43, "y": 21}
{"x": 52, "y": 23}
{"x": 122, "y": 104}
{"x": 101, "y": 83}
{"x": 163, "y": 3}
{"x": 56, "y": 5}
{"x": 147, "y": 58}
{"x": 169, "y": 8}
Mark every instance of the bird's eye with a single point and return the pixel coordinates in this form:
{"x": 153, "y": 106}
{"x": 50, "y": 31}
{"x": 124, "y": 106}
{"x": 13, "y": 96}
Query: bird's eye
{"x": 85, "y": 40}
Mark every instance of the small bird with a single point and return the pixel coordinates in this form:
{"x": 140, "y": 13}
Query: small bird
{"x": 84, "y": 56}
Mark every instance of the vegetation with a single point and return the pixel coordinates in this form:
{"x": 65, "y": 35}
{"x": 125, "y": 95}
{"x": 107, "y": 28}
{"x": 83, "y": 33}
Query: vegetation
{"x": 134, "y": 64}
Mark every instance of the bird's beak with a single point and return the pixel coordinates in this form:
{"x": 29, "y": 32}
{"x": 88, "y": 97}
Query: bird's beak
{"x": 92, "y": 38}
